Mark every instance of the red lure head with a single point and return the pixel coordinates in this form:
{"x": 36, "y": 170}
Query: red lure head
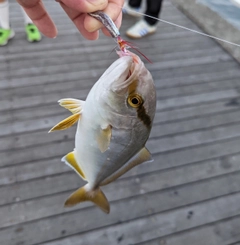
{"x": 125, "y": 45}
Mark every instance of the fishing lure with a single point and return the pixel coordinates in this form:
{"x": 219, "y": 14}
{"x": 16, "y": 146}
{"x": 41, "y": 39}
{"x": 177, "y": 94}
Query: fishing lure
{"x": 123, "y": 45}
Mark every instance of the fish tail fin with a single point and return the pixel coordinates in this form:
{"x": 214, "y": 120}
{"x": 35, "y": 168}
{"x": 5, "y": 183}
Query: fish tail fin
{"x": 83, "y": 194}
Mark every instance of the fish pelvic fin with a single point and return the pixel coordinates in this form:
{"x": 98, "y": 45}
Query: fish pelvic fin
{"x": 142, "y": 156}
{"x": 71, "y": 161}
{"x": 104, "y": 138}
{"x": 66, "y": 123}
{"x": 83, "y": 194}
{"x": 73, "y": 105}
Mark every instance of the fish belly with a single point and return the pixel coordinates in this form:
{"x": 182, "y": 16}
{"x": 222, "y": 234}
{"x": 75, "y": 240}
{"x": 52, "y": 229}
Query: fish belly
{"x": 96, "y": 165}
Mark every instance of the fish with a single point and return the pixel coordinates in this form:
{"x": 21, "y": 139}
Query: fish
{"x": 114, "y": 124}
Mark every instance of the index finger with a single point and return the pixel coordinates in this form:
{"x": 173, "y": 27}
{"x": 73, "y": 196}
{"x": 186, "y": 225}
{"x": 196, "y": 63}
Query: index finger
{"x": 38, "y": 14}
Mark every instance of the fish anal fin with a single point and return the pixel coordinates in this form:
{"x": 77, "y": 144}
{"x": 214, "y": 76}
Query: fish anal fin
{"x": 71, "y": 161}
{"x": 73, "y": 105}
{"x": 83, "y": 195}
{"x": 104, "y": 138}
{"x": 66, "y": 123}
{"x": 142, "y": 156}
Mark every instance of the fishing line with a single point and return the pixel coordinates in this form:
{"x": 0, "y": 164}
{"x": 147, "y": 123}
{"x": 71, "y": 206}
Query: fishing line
{"x": 183, "y": 27}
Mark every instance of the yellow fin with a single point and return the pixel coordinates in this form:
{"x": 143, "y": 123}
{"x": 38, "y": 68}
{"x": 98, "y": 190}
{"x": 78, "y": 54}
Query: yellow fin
{"x": 104, "y": 137}
{"x": 83, "y": 195}
{"x": 70, "y": 160}
{"x": 142, "y": 156}
{"x": 73, "y": 105}
{"x": 66, "y": 123}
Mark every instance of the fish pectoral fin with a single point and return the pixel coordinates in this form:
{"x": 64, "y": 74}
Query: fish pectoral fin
{"x": 83, "y": 195}
{"x": 66, "y": 123}
{"x": 142, "y": 156}
{"x": 71, "y": 161}
{"x": 104, "y": 138}
{"x": 73, "y": 105}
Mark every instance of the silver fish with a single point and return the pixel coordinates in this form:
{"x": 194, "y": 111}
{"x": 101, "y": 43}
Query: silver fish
{"x": 114, "y": 124}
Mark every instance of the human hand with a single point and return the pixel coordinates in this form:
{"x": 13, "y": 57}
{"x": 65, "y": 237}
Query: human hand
{"x": 77, "y": 11}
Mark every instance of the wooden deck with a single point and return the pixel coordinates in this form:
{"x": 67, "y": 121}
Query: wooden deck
{"x": 190, "y": 194}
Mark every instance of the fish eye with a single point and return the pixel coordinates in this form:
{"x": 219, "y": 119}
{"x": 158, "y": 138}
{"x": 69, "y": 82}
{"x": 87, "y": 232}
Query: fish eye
{"x": 135, "y": 100}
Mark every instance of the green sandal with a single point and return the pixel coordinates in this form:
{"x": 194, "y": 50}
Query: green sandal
{"x": 5, "y": 36}
{"x": 33, "y": 34}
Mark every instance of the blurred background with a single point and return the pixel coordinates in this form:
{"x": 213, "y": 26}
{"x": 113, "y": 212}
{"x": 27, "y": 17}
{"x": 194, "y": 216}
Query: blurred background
{"x": 189, "y": 195}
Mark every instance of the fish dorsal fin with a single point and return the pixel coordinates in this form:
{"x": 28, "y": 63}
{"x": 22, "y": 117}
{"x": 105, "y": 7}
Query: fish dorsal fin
{"x": 73, "y": 105}
{"x": 66, "y": 123}
{"x": 83, "y": 195}
{"x": 104, "y": 138}
{"x": 70, "y": 160}
{"x": 142, "y": 156}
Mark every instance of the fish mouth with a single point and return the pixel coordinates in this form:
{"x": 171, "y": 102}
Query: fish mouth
{"x": 129, "y": 74}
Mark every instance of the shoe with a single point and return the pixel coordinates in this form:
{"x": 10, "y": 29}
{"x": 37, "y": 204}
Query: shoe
{"x": 127, "y": 9}
{"x": 5, "y": 36}
{"x": 140, "y": 29}
{"x": 33, "y": 34}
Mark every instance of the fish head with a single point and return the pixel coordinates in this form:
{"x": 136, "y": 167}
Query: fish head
{"x": 129, "y": 91}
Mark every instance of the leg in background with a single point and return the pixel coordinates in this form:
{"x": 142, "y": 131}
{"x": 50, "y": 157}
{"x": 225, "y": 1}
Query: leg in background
{"x": 6, "y": 33}
{"x": 153, "y": 9}
{"x": 32, "y": 32}
{"x": 4, "y": 14}
{"x": 132, "y": 7}
{"x": 135, "y": 3}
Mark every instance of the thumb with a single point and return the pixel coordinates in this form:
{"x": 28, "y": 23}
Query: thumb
{"x": 86, "y": 6}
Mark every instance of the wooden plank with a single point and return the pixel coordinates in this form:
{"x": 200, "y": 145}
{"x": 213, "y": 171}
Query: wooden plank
{"x": 156, "y": 145}
{"x": 164, "y": 86}
{"x": 197, "y": 78}
{"x": 194, "y": 124}
{"x": 217, "y": 233}
{"x": 14, "y": 137}
{"x": 16, "y": 117}
{"x": 42, "y": 126}
{"x": 165, "y": 223}
{"x": 47, "y": 177}
{"x": 158, "y": 181}
{"x": 159, "y": 224}
{"x": 162, "y": 92}
{"x": 194, "y": 99}
{"x": 33, "y": 101}
{"x": 95, "y": 73}
{"x": 198, "y": 88}
{"x": 193, "y": 138}
{"x": 185, "y": 71}
{"x": 195, "y": 111}
{"x": 77, "y": 57}
{"x": 30, "y": 71}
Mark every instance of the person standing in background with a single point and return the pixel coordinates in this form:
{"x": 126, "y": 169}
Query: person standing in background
{"x": 145, "y": 25}
{"x": 6, "y": 33}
